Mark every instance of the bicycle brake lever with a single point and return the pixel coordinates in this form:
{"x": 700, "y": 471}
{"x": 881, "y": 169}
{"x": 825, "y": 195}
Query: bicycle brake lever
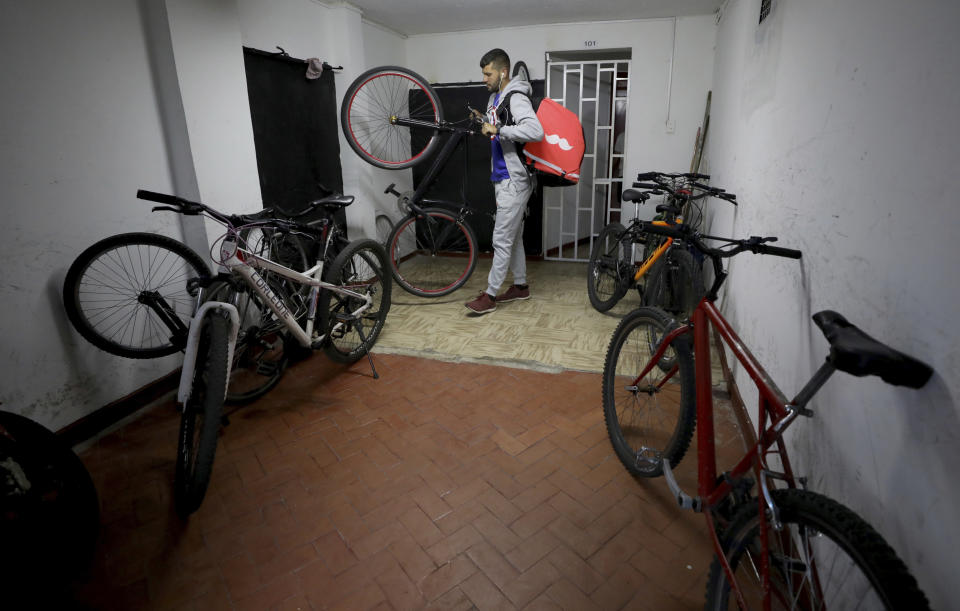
{"x": 163, "y": 208}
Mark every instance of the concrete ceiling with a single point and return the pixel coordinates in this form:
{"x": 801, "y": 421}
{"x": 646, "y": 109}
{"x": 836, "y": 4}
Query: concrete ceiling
{"x": 433, "y": 16}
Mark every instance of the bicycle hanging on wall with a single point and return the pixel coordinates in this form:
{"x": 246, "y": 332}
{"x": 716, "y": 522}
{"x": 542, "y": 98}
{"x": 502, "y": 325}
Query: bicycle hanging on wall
{"x": 392, "y": 118}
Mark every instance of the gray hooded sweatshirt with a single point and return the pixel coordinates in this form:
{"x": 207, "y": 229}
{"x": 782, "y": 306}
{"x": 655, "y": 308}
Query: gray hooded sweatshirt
{"x": 526, "y": 126}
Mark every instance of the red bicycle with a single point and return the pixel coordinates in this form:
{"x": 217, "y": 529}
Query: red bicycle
{"x": 780, "y": 546}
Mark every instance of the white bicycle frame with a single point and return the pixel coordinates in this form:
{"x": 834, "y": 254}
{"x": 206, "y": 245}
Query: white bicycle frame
{"x": 245, "y": 263}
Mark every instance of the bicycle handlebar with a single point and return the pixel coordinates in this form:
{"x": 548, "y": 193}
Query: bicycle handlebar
{"x": 185, "y": 206}
{"x": 754, "y": 244}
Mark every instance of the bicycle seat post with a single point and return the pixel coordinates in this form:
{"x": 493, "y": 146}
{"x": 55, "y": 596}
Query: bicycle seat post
{"x": 819, "y": 378}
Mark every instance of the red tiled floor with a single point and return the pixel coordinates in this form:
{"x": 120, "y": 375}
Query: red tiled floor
{"x": 440, "y": 485}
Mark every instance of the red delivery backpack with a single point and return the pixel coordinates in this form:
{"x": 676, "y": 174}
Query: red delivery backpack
{"x": 556, "y": 159}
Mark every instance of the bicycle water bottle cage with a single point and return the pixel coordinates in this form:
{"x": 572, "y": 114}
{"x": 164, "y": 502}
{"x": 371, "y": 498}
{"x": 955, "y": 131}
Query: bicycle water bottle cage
{"x": 856, "y": 353}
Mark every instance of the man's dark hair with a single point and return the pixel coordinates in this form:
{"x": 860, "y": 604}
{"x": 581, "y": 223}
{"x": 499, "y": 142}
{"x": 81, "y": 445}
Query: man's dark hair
{"x": 498, "y": 57}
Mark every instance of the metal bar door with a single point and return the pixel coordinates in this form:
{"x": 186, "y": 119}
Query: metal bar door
{"x": 598, "y": 91}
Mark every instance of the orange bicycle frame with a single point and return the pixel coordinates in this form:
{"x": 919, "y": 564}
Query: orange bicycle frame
{"x": 656, "y": 254}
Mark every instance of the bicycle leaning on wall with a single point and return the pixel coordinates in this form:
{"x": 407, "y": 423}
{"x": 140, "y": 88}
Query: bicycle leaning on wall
{"x": 132, "y": 302}
{"x": 779, "y": 545}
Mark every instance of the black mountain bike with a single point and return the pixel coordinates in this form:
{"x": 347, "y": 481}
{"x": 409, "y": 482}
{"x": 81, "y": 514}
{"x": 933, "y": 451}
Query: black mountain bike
{"x": 392, "y": 118}
{"x": 667, "y": 275}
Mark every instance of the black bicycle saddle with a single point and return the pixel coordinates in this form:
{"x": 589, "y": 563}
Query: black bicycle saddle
{"x": 635, "y": 196}
{"x": 333, "y": 202}
{"x": 856, "y": 353}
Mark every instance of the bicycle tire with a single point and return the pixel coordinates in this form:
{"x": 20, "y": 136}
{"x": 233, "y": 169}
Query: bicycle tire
{"x": 433, "y": 255}
{"x": 608, "y": 272}
{"x": 361, "y": 267}
{"x": 259, "y": 356}
{"x": 804, "y": 513}
{"x": 674, "y": 283}
{"x": 49, "y": 514}
{"x": 384, "y": 229}
{"x": 647, "y": 427}
{"x": 200, "y": 418}
{"x": 521, "y": 71}
{"x": 371, "y": 102}
{"x": 103, "y": 286}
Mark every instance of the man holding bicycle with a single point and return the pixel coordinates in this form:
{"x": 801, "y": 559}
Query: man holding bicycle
{"x": 508, "y": 125}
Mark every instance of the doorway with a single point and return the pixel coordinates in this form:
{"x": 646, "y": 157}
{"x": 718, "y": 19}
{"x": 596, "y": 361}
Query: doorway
{"x": 596, "y": 86}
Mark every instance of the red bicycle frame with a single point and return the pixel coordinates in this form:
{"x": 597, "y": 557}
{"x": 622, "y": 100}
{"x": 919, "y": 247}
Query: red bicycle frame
{"x": 776, "y": 413}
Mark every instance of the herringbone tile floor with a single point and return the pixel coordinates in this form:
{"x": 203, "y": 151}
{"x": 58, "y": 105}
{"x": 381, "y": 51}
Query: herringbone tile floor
{"x": 441, "y": 485}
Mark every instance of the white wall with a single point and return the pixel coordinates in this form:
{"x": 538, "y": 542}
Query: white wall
{"x": 835, "y": 123}
{"x": 81, "y": 132}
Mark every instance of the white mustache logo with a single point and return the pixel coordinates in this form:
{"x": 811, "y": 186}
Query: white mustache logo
{"x": 555, "y": 139}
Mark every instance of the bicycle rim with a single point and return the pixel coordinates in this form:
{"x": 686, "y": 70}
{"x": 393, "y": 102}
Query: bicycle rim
{"x": 825, "y": 557}
{"x": 361, "y": 269}
{"x": 373, "y": 101}
{"x": 108, "y": 290}
{"x": 653, "y": 420}
{"x": 432, "y": 256}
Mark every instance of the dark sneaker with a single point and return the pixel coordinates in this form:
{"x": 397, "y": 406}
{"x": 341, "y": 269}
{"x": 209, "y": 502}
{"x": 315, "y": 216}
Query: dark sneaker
{"x": 482, "y": 304}
{"x": 516, "y": 292}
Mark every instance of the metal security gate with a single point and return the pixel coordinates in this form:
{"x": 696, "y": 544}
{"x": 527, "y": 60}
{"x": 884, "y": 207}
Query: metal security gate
{"x": 598, "y": 91}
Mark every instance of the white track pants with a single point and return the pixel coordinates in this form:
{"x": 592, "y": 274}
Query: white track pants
{"x": 508, "y": 254}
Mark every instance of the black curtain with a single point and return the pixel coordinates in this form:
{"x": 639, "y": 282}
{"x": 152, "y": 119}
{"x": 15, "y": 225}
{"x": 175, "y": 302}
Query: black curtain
{"x": 295, "y": 130}
{"x": 471, "y": 161}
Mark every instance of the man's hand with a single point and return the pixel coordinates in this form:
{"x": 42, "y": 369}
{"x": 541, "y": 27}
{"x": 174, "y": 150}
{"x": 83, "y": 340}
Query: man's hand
{"x": 489, "y": 130}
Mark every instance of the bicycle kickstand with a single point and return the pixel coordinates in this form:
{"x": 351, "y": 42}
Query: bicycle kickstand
{"x": 363, "y": 339}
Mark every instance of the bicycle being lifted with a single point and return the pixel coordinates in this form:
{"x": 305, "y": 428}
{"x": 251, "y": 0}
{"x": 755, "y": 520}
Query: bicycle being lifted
{"x": 667, "y": 275}
{"x": 392, "y": 118}
{"x": 777, "y": 545}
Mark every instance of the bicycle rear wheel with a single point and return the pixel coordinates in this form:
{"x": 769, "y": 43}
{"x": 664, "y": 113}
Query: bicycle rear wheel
{"x": 259, "y": 356}
{"x": 432, "y": 255}
{"x": 200, "y": 419}
{"x": 651, "y": 418}
{"x": 114, "y": 291}
{"x": 361, "y": 268}
{"x": 608, "y": 273}
{"x": 369, "y": 111}
{"x": 384, "y": 229}
{"x": 825, "y": 557}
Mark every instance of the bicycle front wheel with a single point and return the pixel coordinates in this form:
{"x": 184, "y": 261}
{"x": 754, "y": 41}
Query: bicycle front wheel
{"x": 825, "y": 557}
{"x": 361, "y": 268}
{"x": 432, "y": 255}
{"x": 369, "y": 113}
{"x": 200, "y": 419}
{"x": 651, "y": 418}
{"x": 608, "y": 273}
{"x": 133, "y": 294}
